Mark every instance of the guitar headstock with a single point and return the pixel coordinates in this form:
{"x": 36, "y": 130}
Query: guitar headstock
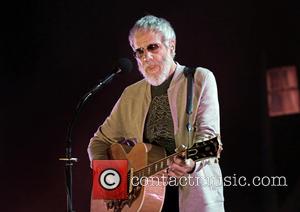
{"x": 204, "y": 149}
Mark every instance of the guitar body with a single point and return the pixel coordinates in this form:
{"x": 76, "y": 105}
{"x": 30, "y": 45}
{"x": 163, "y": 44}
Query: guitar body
{"x": 150, "y": 198}
{"x": 149, "y": 160}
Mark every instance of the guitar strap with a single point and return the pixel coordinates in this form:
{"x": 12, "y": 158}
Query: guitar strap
{"x": 128, "y": 142}
{"x": 189, "y": 74}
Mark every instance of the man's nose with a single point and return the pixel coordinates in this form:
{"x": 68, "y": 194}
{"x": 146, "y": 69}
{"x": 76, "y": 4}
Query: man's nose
{"x": 147, "y": 55}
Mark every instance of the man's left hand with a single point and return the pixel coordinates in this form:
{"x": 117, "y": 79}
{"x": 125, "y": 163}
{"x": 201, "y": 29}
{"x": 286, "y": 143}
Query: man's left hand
{"x": 180, "y": 167}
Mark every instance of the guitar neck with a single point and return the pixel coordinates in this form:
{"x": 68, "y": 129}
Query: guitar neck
{"x": 155, "y": 167}
{"x": 198, "y": 151}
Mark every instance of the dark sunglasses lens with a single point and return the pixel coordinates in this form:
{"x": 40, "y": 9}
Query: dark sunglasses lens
{"x": 152, "y": 47}
{"x": 138, "y": 52}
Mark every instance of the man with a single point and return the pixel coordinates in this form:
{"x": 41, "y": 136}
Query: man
{"x": 153, "y": 110}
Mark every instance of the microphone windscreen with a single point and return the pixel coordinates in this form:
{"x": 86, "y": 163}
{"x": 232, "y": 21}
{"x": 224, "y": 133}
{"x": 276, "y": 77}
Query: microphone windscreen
{"x": 125, "y": 64}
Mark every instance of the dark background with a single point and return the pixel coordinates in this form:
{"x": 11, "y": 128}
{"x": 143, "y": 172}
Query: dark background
{"x": 55, "y": 51}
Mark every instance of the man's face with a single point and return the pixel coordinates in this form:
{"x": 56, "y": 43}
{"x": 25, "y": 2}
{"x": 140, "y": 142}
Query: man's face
{"x": 154, "y": 59}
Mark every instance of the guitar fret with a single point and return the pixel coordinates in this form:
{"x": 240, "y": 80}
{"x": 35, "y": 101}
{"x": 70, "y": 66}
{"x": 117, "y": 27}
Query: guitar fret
{"x": 152, "y": 169}
{"x": 197, "y": 152}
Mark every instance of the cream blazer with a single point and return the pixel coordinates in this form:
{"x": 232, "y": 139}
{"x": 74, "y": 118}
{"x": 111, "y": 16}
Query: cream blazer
{"x": 127, "y": 120}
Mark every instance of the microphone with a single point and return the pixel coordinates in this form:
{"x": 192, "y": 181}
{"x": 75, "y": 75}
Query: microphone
{"x": 122, "y": 65}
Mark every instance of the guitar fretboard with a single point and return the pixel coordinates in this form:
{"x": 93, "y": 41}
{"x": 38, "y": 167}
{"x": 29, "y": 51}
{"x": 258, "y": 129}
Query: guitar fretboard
{"x": 197, "y": 152}
{"x": 155, "y": 167}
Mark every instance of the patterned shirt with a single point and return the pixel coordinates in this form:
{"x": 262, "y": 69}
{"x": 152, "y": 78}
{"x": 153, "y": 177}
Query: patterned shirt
{"x": 159, "y": 127}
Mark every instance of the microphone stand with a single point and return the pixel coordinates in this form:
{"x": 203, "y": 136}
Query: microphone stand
{"x": 69, "y": 160}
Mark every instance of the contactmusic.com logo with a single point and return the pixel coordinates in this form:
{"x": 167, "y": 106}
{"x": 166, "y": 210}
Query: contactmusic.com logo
{"x": 110, "y": 179}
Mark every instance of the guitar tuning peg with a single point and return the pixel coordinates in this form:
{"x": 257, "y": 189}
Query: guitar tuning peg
{"x": 181, "y": 148}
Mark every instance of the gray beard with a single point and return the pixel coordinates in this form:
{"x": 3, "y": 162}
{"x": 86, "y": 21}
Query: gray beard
{"x": 155, "y": 81}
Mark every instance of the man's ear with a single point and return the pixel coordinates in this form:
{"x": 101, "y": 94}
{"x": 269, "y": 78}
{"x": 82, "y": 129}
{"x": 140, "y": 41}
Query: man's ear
{"x": 172, "y": 44}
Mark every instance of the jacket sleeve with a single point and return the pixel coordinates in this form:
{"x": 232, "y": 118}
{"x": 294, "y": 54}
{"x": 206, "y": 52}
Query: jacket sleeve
{"x": 207, "y": 123}
{"x": 108, "y": 133}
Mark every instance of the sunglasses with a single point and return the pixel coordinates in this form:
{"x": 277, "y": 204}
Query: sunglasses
{"x": 140, "y": 52}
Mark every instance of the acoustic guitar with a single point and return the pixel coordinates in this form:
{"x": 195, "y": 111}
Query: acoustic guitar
{"x": 146, "y": 160}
